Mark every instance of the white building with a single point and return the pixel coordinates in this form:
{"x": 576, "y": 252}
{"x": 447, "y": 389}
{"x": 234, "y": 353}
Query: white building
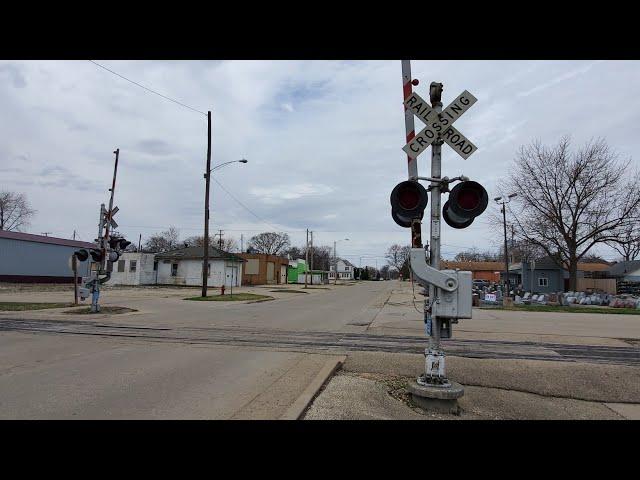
{"x": 184, "y": 267}
{"x": 345, "y": 270}
{"x": 134, "y": 268}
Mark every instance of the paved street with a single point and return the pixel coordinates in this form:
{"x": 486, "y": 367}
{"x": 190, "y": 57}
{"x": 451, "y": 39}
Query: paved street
{"x": 180, "y": 359}
{"x": 111, "y": 374}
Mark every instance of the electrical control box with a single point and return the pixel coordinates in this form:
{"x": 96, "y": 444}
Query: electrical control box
{"x": 456, "y": 304}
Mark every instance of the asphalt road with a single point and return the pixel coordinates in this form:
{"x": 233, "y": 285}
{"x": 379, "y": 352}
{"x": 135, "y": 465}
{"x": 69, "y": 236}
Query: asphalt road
{"x": 181, "y": 359}
{"x": 80, "y": 369}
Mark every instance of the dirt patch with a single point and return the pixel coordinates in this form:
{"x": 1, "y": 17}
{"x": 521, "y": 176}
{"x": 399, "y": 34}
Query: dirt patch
{"x": 23, "y": 306}
{"x": 238, "y": 297}
{"x": 108, "y": 310}
{"x": 283, "y": 290}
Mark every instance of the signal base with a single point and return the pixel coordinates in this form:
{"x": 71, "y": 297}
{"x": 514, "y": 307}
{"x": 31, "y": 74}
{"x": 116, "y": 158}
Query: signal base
{"x": 436, "y": 398}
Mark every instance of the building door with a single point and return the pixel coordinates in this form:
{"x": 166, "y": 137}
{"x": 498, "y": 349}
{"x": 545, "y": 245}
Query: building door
{"x": 283, "y": 274}
{"x": 271, "y": 267}
{"x": 232, "y": 277}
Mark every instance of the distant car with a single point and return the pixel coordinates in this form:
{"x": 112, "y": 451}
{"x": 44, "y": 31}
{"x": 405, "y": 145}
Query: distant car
{"x": 480, "y": 283}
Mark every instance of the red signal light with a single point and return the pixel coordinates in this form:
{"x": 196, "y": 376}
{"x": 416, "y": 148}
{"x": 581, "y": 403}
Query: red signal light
{"x": 408, "y": 201}
{"x": 468, "y": 199}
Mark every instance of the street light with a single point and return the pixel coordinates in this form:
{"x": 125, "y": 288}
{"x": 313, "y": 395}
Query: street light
{"x": 502, "y": 200}
{"x": 207, "y": 177}
{"x": 335, "y": 259}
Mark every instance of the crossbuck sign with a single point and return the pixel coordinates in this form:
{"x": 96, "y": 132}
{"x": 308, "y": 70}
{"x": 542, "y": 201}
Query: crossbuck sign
{"x": 440, "y": 125}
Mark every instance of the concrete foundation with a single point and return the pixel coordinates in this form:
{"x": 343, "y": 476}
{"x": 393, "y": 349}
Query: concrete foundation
{"x": 441, "y": 399}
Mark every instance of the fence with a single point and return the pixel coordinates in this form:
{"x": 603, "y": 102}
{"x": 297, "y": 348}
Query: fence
{"x": 607, "y": 285}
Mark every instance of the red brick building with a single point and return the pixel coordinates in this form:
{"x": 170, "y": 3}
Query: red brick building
{"x": 263, "y": 269}
{"x": 489, "y": 271}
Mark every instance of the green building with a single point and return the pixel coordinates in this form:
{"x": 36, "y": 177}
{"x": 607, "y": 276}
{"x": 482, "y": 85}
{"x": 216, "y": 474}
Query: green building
{"x": 295, "y": 269}
{"x": 296, "y": 273}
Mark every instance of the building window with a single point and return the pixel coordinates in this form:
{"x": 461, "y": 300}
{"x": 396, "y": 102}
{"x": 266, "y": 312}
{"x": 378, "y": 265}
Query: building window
{"x": 543, "y": 282}
{"x": 155, "y": 266}
{"x": 346, "y": 269}
{"x": 133, "y": 265}
{"x": 121, "y": 265}
{"x": 174, "y": 269}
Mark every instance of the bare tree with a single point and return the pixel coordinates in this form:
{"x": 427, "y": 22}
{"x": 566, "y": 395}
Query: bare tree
{"x": 229, "y": 244}
{"x": 164, "y": 241}
{"x": 398, "y": 255}
{"x": 568, "y": 202}
{"x": 15, "y": 211}
{"x": 475, "y": 255}
{"x": 271, "y": 243}
{"x": 628, "y": 242}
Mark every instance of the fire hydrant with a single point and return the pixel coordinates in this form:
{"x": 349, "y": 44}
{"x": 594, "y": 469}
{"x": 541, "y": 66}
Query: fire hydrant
{"x": 222, "y": 290}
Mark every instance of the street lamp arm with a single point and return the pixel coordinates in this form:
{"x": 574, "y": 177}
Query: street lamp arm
{"x": 227, "y": 163}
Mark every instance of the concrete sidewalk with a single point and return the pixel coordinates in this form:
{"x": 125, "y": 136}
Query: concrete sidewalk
{"x": 372, "y": 386}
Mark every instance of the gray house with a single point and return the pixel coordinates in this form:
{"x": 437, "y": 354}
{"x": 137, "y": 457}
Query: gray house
{"x": 626, "y": 271}
{"x": 539, "y": 276}
{"x": 27, "y": 258}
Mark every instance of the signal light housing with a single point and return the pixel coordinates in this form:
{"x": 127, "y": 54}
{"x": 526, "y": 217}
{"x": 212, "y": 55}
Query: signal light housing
{"x": 408, "y": 201}
{"x": 81, "y": 254}
{"x": 454, "y": 220}
{"x": 466, "y": 201}
{"x": 96, "y": 255}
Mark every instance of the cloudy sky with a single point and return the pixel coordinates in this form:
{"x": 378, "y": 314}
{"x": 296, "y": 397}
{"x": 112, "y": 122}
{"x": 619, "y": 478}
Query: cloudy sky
{"x": 323, "y": 140}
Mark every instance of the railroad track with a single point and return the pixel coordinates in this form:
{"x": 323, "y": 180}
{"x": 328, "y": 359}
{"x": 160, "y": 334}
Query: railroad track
{"x": 330, "y": 341}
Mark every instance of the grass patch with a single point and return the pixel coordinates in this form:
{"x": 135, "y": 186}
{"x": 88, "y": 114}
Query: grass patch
{"x": 286, "y": 290}
{"x": 22, "y": 306}
{"x": 237, "y": 297}
{"x": 111, "y": 310}
{"x": 554, "y": 308}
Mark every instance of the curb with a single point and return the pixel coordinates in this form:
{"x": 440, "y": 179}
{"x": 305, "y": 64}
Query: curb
{"x": 295, "y": 411}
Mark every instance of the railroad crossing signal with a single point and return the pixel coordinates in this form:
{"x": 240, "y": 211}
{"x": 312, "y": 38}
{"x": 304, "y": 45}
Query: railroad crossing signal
{"x": 105, "y": 218}
{"x": 440, "y": 125}
{"x": 466, "y": 201}
{"x": 408, "y": 201}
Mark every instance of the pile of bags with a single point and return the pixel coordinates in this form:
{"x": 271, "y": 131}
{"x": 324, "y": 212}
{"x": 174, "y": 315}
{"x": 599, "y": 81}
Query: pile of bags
{"x": 625, "y": 301}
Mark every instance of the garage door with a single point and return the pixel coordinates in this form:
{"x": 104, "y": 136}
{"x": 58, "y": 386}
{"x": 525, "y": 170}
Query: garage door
{"x": 271, "y": 267}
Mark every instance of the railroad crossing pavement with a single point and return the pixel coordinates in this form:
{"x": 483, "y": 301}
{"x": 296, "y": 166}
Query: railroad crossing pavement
{"x": 181, "y": 359}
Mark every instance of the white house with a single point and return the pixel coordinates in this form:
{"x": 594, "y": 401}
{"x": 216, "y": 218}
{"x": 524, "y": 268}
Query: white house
{"x": 345, "y": 270}
{"x": 184, "y": 267}
{"x": 134, "y": 268}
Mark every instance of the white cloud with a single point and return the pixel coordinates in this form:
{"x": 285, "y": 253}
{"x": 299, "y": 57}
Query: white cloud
{"x": 328, "y": 164}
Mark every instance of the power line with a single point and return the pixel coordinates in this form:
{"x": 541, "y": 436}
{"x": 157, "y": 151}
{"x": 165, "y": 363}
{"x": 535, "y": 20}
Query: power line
{"x": 148, "y": 89}
{"x": 243, "y": 205}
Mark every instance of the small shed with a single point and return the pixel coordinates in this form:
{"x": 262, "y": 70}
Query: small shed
{"x": 135, "y": 268}
{"x": 184, "y": 267}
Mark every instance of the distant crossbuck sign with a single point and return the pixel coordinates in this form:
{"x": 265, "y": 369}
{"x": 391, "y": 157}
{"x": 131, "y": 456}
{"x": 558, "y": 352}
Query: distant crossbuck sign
{"x": 440, "y": 125}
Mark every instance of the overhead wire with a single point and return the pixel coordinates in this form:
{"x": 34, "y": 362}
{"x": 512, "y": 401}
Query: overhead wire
{"x": 148, "y": 89}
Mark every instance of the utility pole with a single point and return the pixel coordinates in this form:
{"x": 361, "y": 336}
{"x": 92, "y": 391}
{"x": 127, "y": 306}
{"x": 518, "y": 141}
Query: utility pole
{"x": 335, "y": 264}
{"x": 140, "y": 242}
{"x": 220, "y": 240}
{"x": 506, "y": 252}
{"x": 207, "y": 176}
{"x": 503, "y": 200}
{"x": 74, "y": 234}
{"x": 306, "y": 266}
{"x": 74, "y": 263}
{"x": 311, "y": 268}
{"x": 241, "y": 243}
